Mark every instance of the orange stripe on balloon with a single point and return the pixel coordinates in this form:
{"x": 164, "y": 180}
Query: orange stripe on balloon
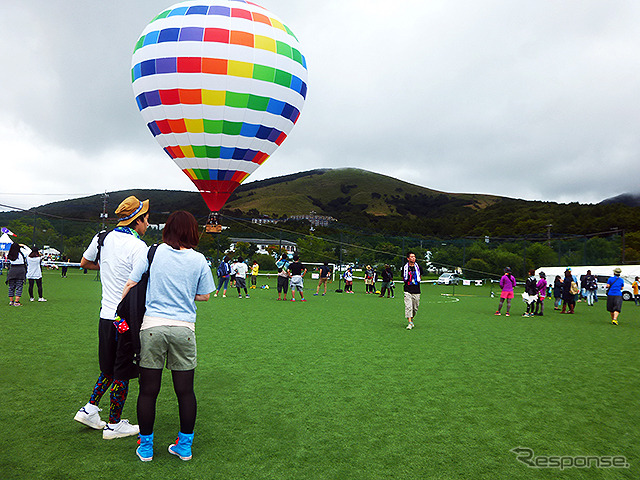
{"x": 216, "y": 66}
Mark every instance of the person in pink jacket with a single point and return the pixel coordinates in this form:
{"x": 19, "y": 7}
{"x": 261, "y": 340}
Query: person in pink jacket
{"x": 507, "y": 284}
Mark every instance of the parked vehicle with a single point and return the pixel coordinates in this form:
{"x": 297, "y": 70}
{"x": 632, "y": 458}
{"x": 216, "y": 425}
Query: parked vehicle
{"x": 448, "y": 279}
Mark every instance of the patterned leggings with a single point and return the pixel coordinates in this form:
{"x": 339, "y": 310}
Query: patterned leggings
{"x": 119, "y": 392}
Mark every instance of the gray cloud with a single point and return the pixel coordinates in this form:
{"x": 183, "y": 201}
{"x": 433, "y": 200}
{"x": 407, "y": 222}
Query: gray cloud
{"x": 528, "y": 99}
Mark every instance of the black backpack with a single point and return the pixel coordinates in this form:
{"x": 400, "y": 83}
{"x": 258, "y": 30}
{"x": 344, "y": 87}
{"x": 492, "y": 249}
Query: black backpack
{"x": 132, "y": 307}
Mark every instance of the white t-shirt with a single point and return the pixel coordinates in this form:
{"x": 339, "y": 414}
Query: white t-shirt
{"x": 34, "y": 268}
{"x": 241, "y": 269}
{"x": 118, "y": 255}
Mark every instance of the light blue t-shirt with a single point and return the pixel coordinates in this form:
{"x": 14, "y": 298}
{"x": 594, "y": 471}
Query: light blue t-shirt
{"x": 176, "y": 277}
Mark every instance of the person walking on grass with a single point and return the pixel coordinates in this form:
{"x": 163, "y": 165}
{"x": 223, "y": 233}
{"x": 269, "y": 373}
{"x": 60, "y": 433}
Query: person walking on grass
{"x": 636, "y": 287}
{"x": 296, "y": 272}
{"x": 240, "y": 269}
{"x": 223, "y": 272}
{"x": 179, "y": 276}
{"x": 557, "y": 292}
{"x": 17, "y": 273}
{"x": 283, "y": 276}
{"x": 507, "y": 284}
{"x": 114, "y": 254}
{"x": 614, "y": 295}
{"x": 325, "y": 274}
{"x": 411, "y": 279}
{"x": 34, "y": 274}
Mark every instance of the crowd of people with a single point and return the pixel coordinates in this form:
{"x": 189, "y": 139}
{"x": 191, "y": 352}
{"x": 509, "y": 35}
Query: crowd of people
{"x": 566, "y": 290}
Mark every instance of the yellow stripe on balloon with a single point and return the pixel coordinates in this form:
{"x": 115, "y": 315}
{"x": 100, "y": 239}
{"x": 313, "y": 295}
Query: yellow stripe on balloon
{"x": 194, "y": 125}
{"x": 213, "y": 97}
{"x": 277, "y": 24}
{"x": 265, "y": 43}
{"x": 187, "y": 151}
{"x": 240, "y": 69}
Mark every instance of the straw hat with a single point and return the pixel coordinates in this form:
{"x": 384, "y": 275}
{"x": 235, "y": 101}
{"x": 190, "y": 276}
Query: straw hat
{"x": 130, "y": 209}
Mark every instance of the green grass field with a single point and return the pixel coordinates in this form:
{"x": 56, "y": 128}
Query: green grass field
{"x": 334, "y": 388}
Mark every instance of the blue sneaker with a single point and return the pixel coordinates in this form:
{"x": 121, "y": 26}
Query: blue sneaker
{"x": 145, "y": 450}
{"x": 182, "y": 448}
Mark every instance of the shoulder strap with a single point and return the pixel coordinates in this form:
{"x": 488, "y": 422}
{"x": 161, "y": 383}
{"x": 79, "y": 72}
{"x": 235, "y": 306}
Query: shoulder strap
{"x": 151, "y": 253}
{"x": 101, "y": 237}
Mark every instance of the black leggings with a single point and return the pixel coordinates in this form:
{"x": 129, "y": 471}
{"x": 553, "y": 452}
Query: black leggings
{"x": 150, "y": 382}
{"x": 39, "y": 283}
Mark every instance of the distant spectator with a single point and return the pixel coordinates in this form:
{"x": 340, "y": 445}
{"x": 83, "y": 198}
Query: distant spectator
{"x": 557, "y": 292}
{"x": 507, "y": 284}
{"x": 387, "y": 282}
{"x": 368, "y": 279}
{"x": 325, "y": 275}
{"x": 240, "y": 270}
{"x": 34, "y": 274}
{"x": 65, "y": 267}
{"x": 17, "y": 273}
{"x": 569, "y": 291}
{"x": 542, "y": 293}
{"x": 223, "y": 272}
{"x": 254, "y": 274}
{"x": 591, "y": 287}
{"x": 531, "y": 293}
{"x": 283, "y": 276}
{"x": 614, "y": 295}
{"x": 636, "y": 296}
{"x": 296, "y": 272}
{"x": 348, "y": 280}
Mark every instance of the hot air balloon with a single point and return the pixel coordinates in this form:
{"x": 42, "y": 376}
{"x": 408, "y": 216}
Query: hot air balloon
{"x": 220, "y": 84}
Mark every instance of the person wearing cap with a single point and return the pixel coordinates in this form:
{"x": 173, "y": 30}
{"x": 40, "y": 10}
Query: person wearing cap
{"x": 114, "y": 254}
{"x": 368, "y": 279}
{"x": 507, "y": 284}
{"x": 614, "y": 295}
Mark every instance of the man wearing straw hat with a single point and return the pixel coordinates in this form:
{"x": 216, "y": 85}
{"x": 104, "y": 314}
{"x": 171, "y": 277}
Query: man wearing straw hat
{"x": 114, "y": 254}
{"x": 614, "y": 295}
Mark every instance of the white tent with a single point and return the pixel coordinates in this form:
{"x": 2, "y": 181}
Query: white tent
{"x": 5, "y": 243}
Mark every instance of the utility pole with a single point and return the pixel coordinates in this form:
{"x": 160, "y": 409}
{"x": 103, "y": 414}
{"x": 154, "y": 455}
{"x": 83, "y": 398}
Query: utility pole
{"x": 103, "y": 215}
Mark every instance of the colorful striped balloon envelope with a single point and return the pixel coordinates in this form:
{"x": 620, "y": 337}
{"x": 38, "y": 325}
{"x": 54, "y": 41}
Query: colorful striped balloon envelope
{"x": 220, "y": 85}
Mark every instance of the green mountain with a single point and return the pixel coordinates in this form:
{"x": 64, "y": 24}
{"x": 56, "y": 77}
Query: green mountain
{"x": 377, "y": 204}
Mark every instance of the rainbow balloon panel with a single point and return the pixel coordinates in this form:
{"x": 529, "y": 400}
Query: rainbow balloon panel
{"x": 220, "y": 85}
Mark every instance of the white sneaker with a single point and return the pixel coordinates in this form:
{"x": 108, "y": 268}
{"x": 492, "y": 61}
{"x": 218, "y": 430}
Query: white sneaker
{"x": 224, "y": 296}
{"x": 42, "y": 299}
{"x": 410, "y": 326}
{"x": 89, "y": 415}
{"x": 31, "y": 299}
{"x": 118, "y": 430}
{"x": 215, "y": 294}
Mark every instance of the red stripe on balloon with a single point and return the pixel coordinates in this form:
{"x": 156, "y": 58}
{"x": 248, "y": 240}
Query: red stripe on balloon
{"x": 170, "y": 97}
{"x": 218, "y": 35}
{"x": 280, "y": 138}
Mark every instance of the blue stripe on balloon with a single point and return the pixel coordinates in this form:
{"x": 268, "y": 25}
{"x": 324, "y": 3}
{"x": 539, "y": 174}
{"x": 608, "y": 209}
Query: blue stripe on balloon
{"x": 166, "y": 65}
{"x": 227, "y": 153}
{"x": 169, "y": 35}
{"x": 249, "y": 130}
{"x": 198, "y": 10}
{"x": 223, "y": 11}
{"x": 151, "y": 38}
{"x": 180, "y": 11}
{"x": 191, "y": 34}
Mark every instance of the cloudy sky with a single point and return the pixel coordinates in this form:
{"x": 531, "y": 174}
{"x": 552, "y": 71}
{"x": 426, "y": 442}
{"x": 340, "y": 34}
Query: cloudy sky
{"x": 533, "y": 99}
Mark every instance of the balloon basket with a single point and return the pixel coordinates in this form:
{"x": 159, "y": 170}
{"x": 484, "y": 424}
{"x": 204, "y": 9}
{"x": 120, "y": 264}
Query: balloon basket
{"x": 212, "y": 225}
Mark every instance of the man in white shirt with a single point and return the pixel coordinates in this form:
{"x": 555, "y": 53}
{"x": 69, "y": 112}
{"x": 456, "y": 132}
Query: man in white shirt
{"x": 240, "y": 268}
{"x": 114, "y": 254}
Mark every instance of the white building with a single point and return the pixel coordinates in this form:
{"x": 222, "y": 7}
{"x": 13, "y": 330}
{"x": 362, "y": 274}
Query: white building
{"x": 263, "y": 243}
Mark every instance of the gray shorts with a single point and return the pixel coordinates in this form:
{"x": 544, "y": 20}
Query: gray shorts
{"x": 614, "y": 303}
{"x": 296, "y": 282}
{"x": 174, "y": 347}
